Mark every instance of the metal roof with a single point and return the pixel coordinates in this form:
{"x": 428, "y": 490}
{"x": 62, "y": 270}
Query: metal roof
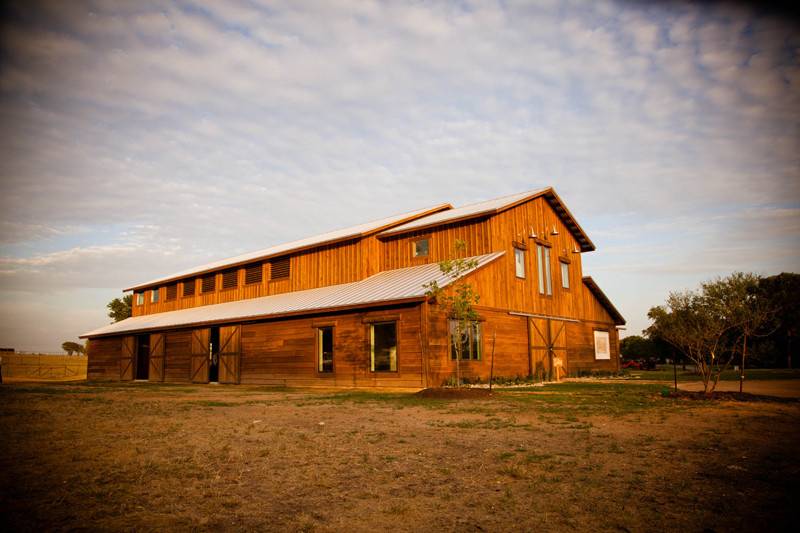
{"x": 390, "y": 286}
{"x": 491, "y": 207}
{"x": 317, "y": 240}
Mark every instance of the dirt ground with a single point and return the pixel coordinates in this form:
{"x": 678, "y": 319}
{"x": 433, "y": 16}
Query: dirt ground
{"x": 783, "y": 388}
{"x": 580, "y": 456}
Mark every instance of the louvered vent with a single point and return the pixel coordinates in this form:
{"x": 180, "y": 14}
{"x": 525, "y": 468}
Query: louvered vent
{"x": 230, "y": 279}
{"x": 209, "y": 283}
{"x": 280, "y": 268}
{"x": 172, "y": 291}
{"x": 188, "y": 287}
{"x": 253, "y": 274}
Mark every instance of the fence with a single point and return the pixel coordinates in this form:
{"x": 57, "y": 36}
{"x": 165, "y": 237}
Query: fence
{"x": 19, "y": 367}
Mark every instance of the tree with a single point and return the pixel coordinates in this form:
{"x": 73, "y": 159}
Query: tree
{"x": 636, "y": 347}
{"x": 72, "y": 347}
{"x": 783, "y": 294}
{"x": 704, "y": 325}
{"x": 458, "y": 302}
{"x": 120, "y": 309}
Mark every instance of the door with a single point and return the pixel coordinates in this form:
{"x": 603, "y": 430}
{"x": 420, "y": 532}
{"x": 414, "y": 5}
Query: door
{"x": 142, "y": 367}
{"x": 198, "y": 370}
{"x": 229, "y": 353}
{"x": 547, "y": 350}
{"x": 126, "y": 358}
{"x": 157, "y": 352}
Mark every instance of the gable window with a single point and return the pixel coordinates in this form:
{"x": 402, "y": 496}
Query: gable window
{"x": 325, "y": 349}
{"x": 420, "y": 248}
{"x": 209, "y": 283}
{"x": 188, "y": 287}
{"x": 154, "y": 296}
{"x": 602, "y": 346}
{"x": 139, "y": 298}
{"x": 383, "y": 347}
{"x": 172, "y": 291}
{"x": 253, "y": 274}
{"x": 280, "y": 268}
{"x": 230, "y": 279}
{"x": 543, "y": 269}
{"x": 564, "y": 274}
{"x": 470, "y": 340}
{"x": 519, "y": 262}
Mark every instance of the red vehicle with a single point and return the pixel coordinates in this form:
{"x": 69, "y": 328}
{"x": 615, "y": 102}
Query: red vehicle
{"x": 635, "y": 365}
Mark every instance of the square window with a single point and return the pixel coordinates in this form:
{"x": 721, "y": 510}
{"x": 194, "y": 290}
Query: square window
{"x": 253, "y": 274}
{"x": 420, "y": 248}
{"x": 602, "y": 346}
{"x": 383, "y": 347}
{"x": 209, "y": 283}
{"x": 230, "y": 278}
{"x": 470, "y": 340}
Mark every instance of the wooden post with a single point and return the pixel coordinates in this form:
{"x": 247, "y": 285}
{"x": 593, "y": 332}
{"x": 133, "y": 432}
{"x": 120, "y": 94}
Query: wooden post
{"x": 675, "y": 370}
{"x": 491, "y": 366}
{"x": 741, "y": 371}
{"x": 530, "y": 348}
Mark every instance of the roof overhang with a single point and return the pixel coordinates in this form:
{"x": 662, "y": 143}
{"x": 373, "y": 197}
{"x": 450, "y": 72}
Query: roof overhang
{"x": 619, "y": 320}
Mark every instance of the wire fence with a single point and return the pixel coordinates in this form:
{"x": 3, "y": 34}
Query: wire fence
{"x": 40, "y": 367}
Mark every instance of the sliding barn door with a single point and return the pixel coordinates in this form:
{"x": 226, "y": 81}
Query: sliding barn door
{"x": 548, "y": 348}
{"x": 157, "y": 352}
{"x": 198, "y": 372}
{"x": 229, "y": 353}
{"x": 126, "y": 358}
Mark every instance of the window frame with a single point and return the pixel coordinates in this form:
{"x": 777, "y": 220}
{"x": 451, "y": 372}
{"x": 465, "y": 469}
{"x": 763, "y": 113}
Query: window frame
{"x": 476, "y": 327}
{"x": 257, "y": 267}
{"x": 155, "y": 295}
{"x": 319, "y": 351}
{"x": 519, "y": 261}
{"x": 139, "y": 298}
{"x": 167, "y": 297}
{"x": 280, "y": 260}
{"x": 371, "y": 330}
{"x": 203, "y": 283}
{"x": 603, "y": 333}
{"x": 543, "y": 269}
{"x": 235, "y": 272}
{"x": 191, "y": 283}
{"x": 564, "y": 265}
{"x": 414, "y": 250}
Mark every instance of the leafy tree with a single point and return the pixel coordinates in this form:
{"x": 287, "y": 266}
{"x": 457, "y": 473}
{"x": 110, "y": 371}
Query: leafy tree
{"x": 72, "y": 347}
{"x": 636, "y": 346}
{"x": 705, "y": 325}
{"x": 459, "y": 301}
{"x": 783, "y": 294}
{"x": 120, "y": 309}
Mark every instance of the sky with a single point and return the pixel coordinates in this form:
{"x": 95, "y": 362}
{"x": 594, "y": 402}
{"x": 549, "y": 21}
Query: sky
{"x": 142, "y": 138}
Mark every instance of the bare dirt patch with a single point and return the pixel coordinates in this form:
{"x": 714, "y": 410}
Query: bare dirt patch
{"x": 574, "y": 456}
{"x": 454, "y": 394}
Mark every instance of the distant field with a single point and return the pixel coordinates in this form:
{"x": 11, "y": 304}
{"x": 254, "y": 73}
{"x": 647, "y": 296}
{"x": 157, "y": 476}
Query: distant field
{"x": 666, "y": 374}
{"x": 575, "y": 456}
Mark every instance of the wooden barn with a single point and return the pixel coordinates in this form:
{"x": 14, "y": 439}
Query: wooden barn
{"x": 348, "y": 308}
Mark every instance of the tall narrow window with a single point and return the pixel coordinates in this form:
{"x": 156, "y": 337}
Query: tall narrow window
{"x": 280, "y": 268}
{"x": 188, "y": 287}
{"x": 383, "y": 347}
{"x": 325, "y": 349}
{"x": 519, "y": 262}
{"x": 209, "y": 283}
{"x": 253, "y": 274}
{"x": 564, "y": 274}
{"x": 230, "y": 278}
{"x": 543, "y": 269}
{"x": 602, "y": 346}
{"x": 172, "y": 291}
{"x": 154, "y": 296}
{"x": 420, "y": 248}
{"x": 469, "y": 338}
{"x": 140, "y": 298}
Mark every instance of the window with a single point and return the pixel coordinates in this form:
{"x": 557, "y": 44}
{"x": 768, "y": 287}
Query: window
{"x": 209, "y": 283}
{"x": 253, "y": 274}
{"x": 154, "y": 296}
{"x": 383, "y": 347}
{"x": 602, "y": 348}
{"x": 519, "y": 262}
{"x": 280, "y": 268}
{"x": 230, "y": 279}
{"x": 470, "y": 341}
{"x": 325, "y": 349}
{"x": 188, "y": 287}
{"x": 543, "y": 268}
{"x": 420, "y": 248}
{"x": 139, "y": 298}
{"x": 564, "y": 274}
{"x": 172, "y": 291}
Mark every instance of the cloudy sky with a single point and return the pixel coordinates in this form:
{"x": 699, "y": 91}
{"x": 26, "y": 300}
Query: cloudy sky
{"x": 139, "y": 138}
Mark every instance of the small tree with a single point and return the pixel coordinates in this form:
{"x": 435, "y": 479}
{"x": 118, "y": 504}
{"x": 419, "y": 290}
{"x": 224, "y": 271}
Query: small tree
{"x": 458, "y": 302}
{"x": 120, "y": 309}
{"x": 72, "y": 347}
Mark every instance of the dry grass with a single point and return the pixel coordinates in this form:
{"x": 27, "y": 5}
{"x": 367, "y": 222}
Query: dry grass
{"x": 591, "y": 457}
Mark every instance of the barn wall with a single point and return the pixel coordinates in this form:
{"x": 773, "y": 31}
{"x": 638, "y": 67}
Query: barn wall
{"x": 177, "y": 355}
{"x": 580, "y": 347}
{"x": 104, "y": 354}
